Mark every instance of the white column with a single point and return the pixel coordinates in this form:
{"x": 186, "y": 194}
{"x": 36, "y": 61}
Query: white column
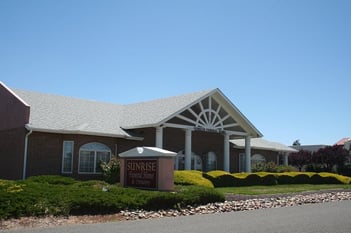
{"x": 248, "y": 153}
{"x": 187, "y": 151}
{"x": 159, "y": 137}
{"x": 226, "y": 162}
{"x": 286, "y": 159}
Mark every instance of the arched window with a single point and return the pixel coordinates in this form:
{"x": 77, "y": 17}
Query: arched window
{"x": 256, "y": 159}
{"x": 91, "y": 155}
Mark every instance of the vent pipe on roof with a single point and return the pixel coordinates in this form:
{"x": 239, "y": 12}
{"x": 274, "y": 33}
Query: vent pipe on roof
{"x": 26, "y": 153}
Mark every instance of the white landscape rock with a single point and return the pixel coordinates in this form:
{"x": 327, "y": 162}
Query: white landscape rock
{"x": 243, "y": 205}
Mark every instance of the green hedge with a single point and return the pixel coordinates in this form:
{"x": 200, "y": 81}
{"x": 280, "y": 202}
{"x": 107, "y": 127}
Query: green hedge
{"x": 225, "y": 179}
{"x": 192, "y": 178}
{"x": 40, "y": 196}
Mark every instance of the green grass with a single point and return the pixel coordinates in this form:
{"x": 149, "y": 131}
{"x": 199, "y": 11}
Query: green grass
{"x": 280, "y": 189}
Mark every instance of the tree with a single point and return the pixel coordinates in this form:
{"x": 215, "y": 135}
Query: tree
{"x": 300, "y": 159}
{"x": 331, "y": 156}
{"x": 296, "y": 143}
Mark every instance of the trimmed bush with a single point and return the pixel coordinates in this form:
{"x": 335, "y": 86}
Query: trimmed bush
{"x": 341, "y": 179}
{"x": 33, "y": 198}
{"x": 252, "y": 179}
{"x": 224, "y": 179}
{"x": 221, "y": 178}
{"x": 301, "y": 179}
{"x": 269, "y": 179}
{"x": 52, "y": 179}
{"x": 194, "y": 195}
{"x": 191, "y": 178}
{"x": 285, "y": 179}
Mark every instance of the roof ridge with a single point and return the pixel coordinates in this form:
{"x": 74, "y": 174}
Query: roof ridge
{"x": 16, "y": 90}
{"x": 173, "y": 96}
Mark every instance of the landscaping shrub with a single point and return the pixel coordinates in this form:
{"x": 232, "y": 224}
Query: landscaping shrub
{"x": 272, "y": 167}
{"x": 195, "y": 195}
{"x": 285, "y": 168}
{"x": 162, "y": 200}
{"x": 268, "y": 179}
{"x": 111, "y": 170}
{"x": 221, "y": 179}
{"x": 285, "y": 179}
{"x": 191, "y": 178}
{"x": 52, "y": 179}
{"x": 252, "y": 179}
{"x": 340, "y": 179}
{"x": 39, "y": 197}
{"x": 301, "y": 179}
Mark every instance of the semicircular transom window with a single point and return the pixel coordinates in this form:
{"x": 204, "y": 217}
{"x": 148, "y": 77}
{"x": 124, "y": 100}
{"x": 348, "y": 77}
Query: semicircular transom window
{"x": 207, "y": 114}
{"x": 91, "y": 155}
{"x": 257, "y": 158}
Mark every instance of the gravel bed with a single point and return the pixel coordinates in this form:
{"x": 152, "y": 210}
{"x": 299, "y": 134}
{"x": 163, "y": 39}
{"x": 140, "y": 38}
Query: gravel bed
{"x": 232, "y": 203}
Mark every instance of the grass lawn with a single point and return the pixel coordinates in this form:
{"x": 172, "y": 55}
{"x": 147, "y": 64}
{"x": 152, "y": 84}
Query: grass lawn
{"x": 277, "y": 189}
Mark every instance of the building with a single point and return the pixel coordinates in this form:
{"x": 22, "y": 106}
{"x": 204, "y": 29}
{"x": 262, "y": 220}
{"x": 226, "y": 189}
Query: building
{"x": 51, "y": 134}
{"x": 262, "y": 151}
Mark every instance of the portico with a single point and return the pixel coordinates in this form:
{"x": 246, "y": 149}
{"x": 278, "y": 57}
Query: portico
{"x": 213, "y": 113}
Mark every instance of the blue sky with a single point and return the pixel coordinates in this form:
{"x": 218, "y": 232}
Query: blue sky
{"x": 285, "y": 64}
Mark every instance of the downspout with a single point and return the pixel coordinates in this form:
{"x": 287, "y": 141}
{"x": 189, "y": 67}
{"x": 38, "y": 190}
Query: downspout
{"x": 25, "y": 152}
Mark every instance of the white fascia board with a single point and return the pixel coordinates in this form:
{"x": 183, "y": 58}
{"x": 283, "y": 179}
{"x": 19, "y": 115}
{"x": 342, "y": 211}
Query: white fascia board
{"x": 62, "y": 131}
{"x": 265, "y": 148}
{"x": 14, "y": 94}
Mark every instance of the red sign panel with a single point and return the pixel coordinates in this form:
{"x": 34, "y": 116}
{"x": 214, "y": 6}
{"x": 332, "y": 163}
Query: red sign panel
{"x": 141, "y": 173}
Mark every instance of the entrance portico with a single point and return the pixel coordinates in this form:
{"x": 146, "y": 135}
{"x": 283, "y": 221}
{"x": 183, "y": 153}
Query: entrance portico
{"x": 213, "y": 113}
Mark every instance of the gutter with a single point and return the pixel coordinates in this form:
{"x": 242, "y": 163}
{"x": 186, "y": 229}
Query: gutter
{"x": 25, "y": 155}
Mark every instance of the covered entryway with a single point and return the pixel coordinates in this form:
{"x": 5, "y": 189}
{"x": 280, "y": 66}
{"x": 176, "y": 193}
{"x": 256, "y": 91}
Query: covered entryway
{"x": 212, "y": 113}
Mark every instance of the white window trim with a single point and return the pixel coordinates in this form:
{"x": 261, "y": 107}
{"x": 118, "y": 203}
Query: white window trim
{"x": 63, "y": 157}
{"x": 95, "y": 156}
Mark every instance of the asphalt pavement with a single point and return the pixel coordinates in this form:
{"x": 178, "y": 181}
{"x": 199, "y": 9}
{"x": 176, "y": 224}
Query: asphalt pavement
{"x": 311, "y": 218}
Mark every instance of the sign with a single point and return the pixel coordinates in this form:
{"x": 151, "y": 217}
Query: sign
{"x": 141, "y": 173}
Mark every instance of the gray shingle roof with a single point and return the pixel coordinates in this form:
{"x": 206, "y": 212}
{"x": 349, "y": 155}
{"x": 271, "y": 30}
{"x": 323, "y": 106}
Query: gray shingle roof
{"x": 260, "y": 143}
{"x": 55, "y": 113}
{"x": 153, "y": 112}
{"x": 62, "y": 114}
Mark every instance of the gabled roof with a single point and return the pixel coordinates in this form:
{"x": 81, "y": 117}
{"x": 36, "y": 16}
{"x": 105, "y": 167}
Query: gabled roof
{"x": 342, "y": 141}
{"x": 152, "y": 113}
{"x": 62, "y": 114}
{"x": 262, "y": 144}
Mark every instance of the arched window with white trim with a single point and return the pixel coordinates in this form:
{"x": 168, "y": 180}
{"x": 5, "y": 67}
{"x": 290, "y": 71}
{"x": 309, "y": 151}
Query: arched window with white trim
{"x": 256, "y": 159}
{"x": 90, "y": 157}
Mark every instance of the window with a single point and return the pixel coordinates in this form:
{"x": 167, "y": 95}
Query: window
{"x": 211, "y": 161}
{"x": 196, "y": 161}
{"x": 242, "y": 162}
{"x": 256, "y": 159}
{"x": 67, "y": 157}
{"x": 91, "y": 155}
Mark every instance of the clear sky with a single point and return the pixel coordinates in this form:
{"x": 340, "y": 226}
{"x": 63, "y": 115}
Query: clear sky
{"x": 286, "y": 64}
